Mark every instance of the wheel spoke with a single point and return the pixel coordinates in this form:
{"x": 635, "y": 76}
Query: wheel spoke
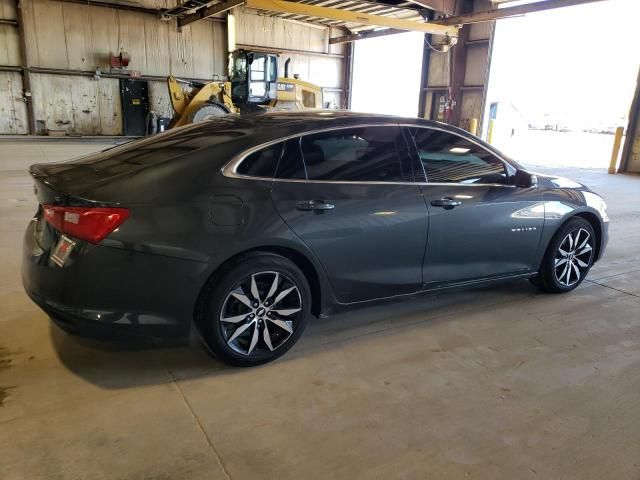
{"x": 282, "y": 324}
{"x": 586, "y": 249}
{"x": 266, "y": 336}
{"x": 560, "y": 261}
{"x": 576, "y": 240}
{"x": 585, "y": 240}
{"x": 581, "y": 263}
{"x": 254, "y": 289}
{"x": 254, "y": 339}
{"x": 243, "y": 298}
{"x": 283, "y": 294}
{"x": 563, "y": 252}
{"x": 570, "y": 242}
{"x": 569, "y": 272}
{"x": 575, "y": 269}
{"x": 236, "y": 319}
{"x": 286, "y": 312}
{"x": 564, "y": 272}
{"x": 239, "y": 332}
{"x": 274, "y": 286}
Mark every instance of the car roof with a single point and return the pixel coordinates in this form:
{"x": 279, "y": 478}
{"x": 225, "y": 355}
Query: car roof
{"x": 306, "y": 117}
{"x": 274, "y": 123}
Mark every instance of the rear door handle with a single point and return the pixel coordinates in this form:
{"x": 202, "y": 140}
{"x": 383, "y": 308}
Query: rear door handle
{"x": 446, "y": 203}
{"x": 318, "y": 205}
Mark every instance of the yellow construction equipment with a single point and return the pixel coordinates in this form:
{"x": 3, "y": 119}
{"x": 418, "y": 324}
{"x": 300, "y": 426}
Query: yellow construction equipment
{"x": 253, "y": 85}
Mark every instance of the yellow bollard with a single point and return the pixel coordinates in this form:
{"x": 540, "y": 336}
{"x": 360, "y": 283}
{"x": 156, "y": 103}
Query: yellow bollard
{"x": 473, "y": 126}
{"x": 490, "y": 131}
{"x": 616, "y": 149}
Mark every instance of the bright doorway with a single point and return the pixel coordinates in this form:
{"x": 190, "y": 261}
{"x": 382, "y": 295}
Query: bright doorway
{"x": 562, "y": 81}
{"x": 386, "y": 74}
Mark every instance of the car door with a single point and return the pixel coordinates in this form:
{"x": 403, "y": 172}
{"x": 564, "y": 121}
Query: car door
{"x": 480, "y": 224}
{"x": 349, "y": 195}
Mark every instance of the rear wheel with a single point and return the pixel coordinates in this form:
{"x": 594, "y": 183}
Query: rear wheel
{"x": 256, "y": 310}
{"x": 569, "y": 257}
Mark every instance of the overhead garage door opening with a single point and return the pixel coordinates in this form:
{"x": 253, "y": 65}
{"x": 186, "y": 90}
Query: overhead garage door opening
{"x": 560, "y": 83}
{"x": 386, "y": 74}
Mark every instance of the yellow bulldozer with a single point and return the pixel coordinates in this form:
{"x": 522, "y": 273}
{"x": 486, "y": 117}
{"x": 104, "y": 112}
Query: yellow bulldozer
{"x": 253, "y": 85}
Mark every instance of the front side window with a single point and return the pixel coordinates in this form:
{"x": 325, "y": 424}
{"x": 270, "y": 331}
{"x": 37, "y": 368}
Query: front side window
{"x": 258, "y": 68}
{"x": 357, "y": 155}
{"x": 449, "y": 158}
{"x": 258, "y": 86}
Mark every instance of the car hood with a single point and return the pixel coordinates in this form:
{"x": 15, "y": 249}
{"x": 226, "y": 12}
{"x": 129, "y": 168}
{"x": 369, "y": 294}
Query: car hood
{"x": 554, "y": 181}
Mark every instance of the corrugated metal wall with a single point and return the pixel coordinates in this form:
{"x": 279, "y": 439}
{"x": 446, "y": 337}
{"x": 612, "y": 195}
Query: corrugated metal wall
{"x": 13, "y": 112}
{"x": 80, "y": 38}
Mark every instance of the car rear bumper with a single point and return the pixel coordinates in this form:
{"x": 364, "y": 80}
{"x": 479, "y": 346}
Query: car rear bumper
{"x": 72, "y": 321}
{"x": 106, "y": 291}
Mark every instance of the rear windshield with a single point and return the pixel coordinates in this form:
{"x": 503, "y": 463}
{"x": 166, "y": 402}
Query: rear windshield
{"x": 161, "y": 147}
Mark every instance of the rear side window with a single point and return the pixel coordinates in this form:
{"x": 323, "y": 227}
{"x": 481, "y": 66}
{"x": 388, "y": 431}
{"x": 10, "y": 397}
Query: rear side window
{"x": 357, "y": 154}
{"x": 449, "y": 158}
{"x": 281, "y": 160}
{"x": 291, "y": 165}
{"x": 261, "y": 163}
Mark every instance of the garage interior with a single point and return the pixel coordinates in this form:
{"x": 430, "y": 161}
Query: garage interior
{"x": 499, "y": 382}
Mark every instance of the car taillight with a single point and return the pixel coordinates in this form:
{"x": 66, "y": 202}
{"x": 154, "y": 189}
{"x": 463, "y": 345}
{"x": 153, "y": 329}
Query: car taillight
{"x": 92, "y": 224}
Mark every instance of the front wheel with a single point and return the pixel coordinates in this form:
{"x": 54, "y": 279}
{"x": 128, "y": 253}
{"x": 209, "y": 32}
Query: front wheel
{"x": 256, "y": 310}
{"x": 569, "y": 257}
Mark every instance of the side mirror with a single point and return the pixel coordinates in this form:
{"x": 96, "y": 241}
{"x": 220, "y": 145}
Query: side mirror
{"x": 525, "y": 179}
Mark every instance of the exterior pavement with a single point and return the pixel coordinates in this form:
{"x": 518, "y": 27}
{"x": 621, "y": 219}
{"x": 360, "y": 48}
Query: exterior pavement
{"x": 493, "y": 383}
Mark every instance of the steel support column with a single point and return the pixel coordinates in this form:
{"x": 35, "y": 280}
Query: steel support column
{"x": 632, "y": 129}
{"x": 26, "y": 74}
{"x": 424, "y": 76}
{"x": 347, "y": 75}
{"x": 458, "y": 65}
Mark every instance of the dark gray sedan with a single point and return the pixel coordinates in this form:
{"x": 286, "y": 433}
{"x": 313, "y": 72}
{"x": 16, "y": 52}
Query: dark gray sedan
{"x": 247, "y": 226}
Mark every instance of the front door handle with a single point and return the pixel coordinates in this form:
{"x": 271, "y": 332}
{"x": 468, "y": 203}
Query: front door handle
{"x": 446, "y": 202}
{"x": 317, "y": 205}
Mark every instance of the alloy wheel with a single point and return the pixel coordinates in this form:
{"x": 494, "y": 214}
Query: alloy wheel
{"x": 260, "y": 313}
{"x": 573, "y": 257}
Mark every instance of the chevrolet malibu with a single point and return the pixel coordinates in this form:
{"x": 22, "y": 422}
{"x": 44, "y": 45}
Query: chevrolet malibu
{"x": 245, "y": 227}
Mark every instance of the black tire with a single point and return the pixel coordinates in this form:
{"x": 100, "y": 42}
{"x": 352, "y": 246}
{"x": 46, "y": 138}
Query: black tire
{"x": 208, "y": 111}
{"x": 222, "y": 299}
{"x": 560, "y": 273}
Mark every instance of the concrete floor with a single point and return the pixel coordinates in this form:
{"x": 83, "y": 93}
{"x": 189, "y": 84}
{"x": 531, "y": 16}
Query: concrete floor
{"x": 493, "y": 383}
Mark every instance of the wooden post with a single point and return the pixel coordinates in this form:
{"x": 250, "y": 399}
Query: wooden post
{"x": 616, "y": 150}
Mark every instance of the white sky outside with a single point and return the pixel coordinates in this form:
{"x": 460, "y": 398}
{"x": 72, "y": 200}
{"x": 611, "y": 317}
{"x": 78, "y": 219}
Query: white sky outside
{"x": 386, "y": 74}
{"x": 575, "y": 66}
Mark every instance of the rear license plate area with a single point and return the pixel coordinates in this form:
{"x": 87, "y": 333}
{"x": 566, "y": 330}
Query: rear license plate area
{"x": 62, "y": 250}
